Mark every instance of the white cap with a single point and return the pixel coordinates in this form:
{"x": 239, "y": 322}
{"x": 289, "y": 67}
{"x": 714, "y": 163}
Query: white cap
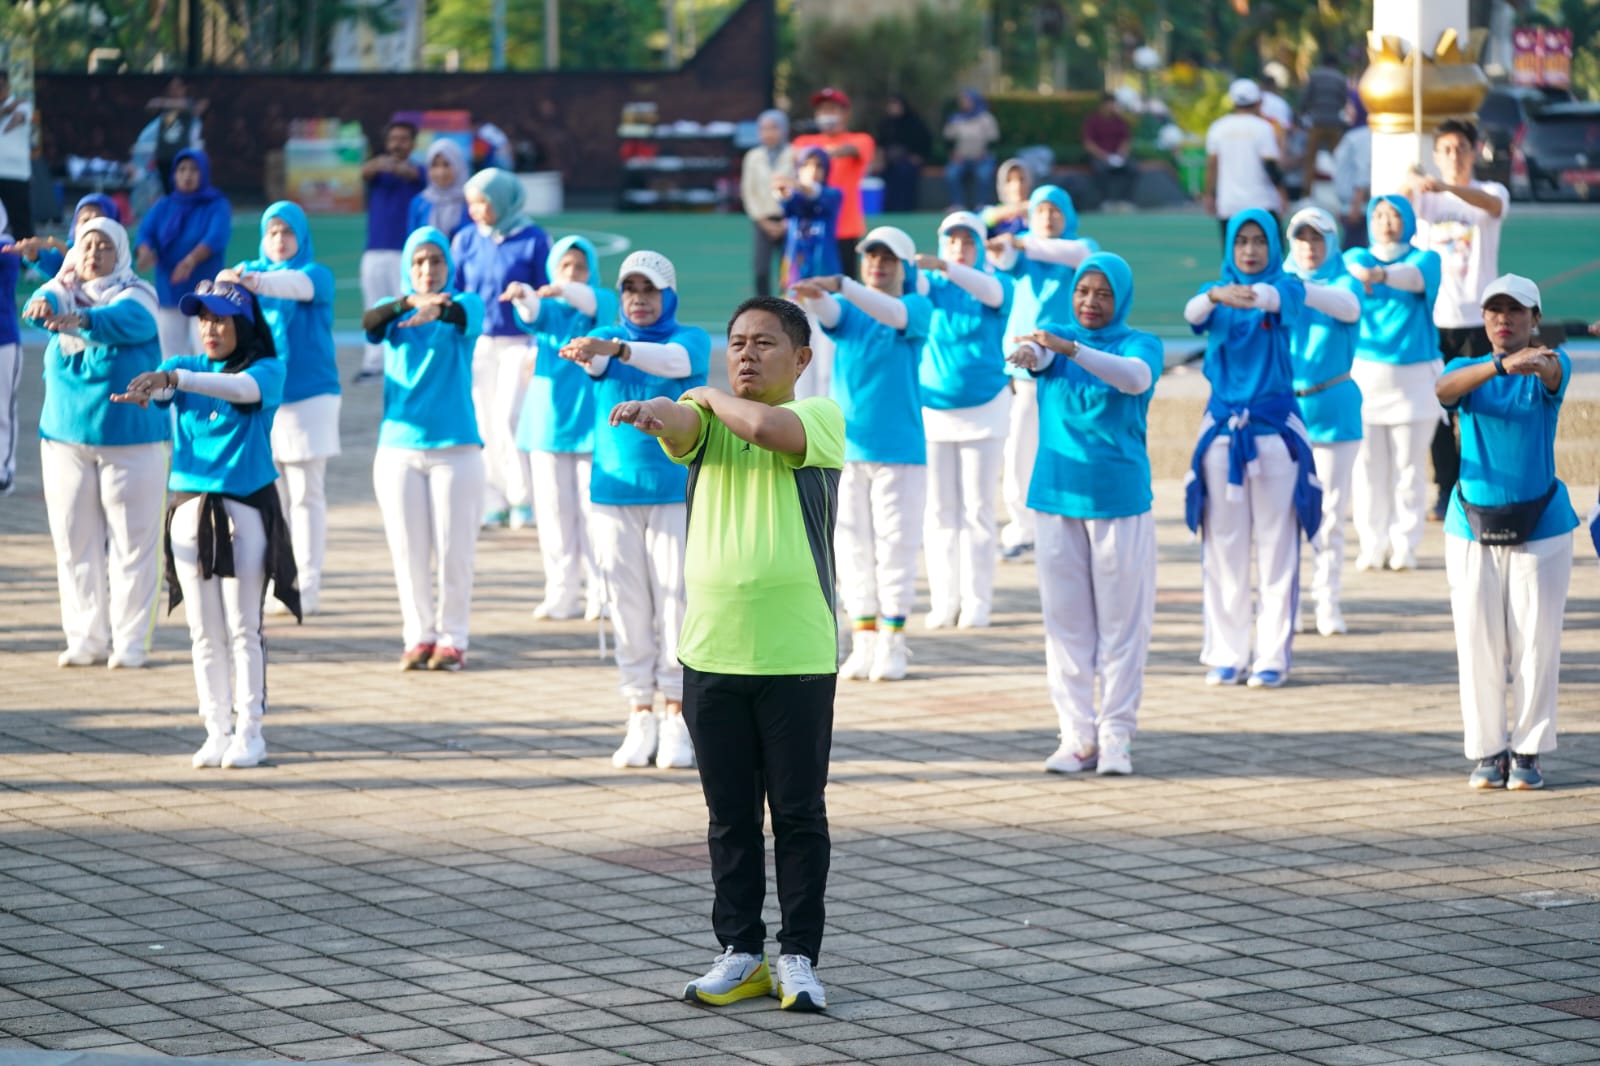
{"x": 653, "y": 265}
{"x": 895, "y": 239}
{"x": 1316, "y": 218}
{"x": 1244, "y": 93}
{"x": 964, "y": 220}
{"x": 1519, "y": 288}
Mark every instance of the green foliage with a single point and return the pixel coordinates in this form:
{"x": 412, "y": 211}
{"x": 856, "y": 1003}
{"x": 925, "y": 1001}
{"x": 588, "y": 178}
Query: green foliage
{"x": 63, "y": 32}
{"x": 595, "y": 34}
{"x": 1055, "y": 120}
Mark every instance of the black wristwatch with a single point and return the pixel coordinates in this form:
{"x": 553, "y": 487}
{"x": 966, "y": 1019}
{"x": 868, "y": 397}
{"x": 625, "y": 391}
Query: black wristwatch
{"x": 1499, "y": 365}
{"x": 622, "y": 351}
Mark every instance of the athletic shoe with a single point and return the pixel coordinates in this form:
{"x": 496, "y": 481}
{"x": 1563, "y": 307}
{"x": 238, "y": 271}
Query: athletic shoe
{"x": 416, "y": 657}
{"x": 1267, "y": 679}
{"x": 1524, "y": 773}
{"x": 496, "y": 519}
{"x": 674, "y": 749}
{"x": 939, "y": 621}
{"x": 1403, "y": 561}
{"x": 521, "y": 518}
{"x": 130, "y": 659}
{"x": 797, "y": 987}
{"x": 7, "y": 486}
{"x": 1116, "y": 756}
{"x": 275, "y": 607}
{"x": 1017, "y": 553}
{"x": 858, "y": 664}
{"x": 245, "y": 750}
{"x": 1223, "y": 675}
{"x": 973, "y": 621}
{"x": 447, "y": 659}
{"x": 211, "y": 752}
{"x": 79, "y": 657}
{"x": 1300, "y": 625}
{"x": 1366, "y": 561}
{"x": 1330, "y": 622}
{"x": 889, "y": 657}
{"x": 1491, "y": 772}
{"x": 593, "y": 611}
{"x": 1071, "y": 758}
{"x": 556, "y": 612}
{"x": 735, "y": 975}
{"x": 639, "y": 746}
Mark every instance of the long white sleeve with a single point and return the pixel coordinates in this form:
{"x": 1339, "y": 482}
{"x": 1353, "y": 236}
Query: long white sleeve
{"x": 1057, "y": 250}
{"x": 825, "y": 307}
{"x": 662, "y": 360}
{"x": 235, "y": 388}
{"x": 1122, "y": 372}
{"x": 527, "y": 303}
{"x": 1042, "y": 356}
{"x": 1405, "y": 277}
{"x": 1267, "y": 298}
{"x": 985, "y": 288}
{"x": 1198, "y": 309}
{"x": 881, "y": 306}
{"x": 581, "y": 297}
{"x": 285, "y": 285}
{"x": 1336, "y": 303}
{"x": 1005, "y": 258}
{"x": 597, "y": 365}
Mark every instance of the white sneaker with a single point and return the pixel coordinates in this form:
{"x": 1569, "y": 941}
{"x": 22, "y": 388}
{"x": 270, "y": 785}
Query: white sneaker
{"x": 1330, "y": 622}
{"x": 973, "y": 621}
{"x": 211, "y": 752}
{"x": 1116, "y": 756}
{"x": 734, "y": 976}
{"x": 933, "y": 620}
{"x": 675, "y": 751}
{"x": 275, "y": 607}
{"x": 130, "y": 659}
{"x": 1406, "y": 560}
{"x": 593, "y": 611}
{"x": 889, "y": 657}
{"x": 246, "y": 749}
{"x": 1369, "y": 561}
{"x": 1300, "y": 623}
{"x": 1071, "y": 757}
{"x": 639, "y": 746}
{"x": 557, "y": 612}
{"x": 796, "y": 985}
{"x": 858, "y": 664}
{"x": 79, "y": 657}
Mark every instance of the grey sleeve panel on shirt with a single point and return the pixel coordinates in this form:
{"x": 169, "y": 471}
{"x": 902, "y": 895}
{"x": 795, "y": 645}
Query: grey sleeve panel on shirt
{"x": 819, "y": 509}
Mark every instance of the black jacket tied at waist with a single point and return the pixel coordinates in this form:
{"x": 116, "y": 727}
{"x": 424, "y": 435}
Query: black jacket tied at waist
{"x": 215, "y": 540}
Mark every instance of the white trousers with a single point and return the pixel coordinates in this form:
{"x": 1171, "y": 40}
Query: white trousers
{"x": 302, "y": 489}
{"x": 1022, "y": 446}
{"x": 429, "y": 501}
{"x": 960, "y": 528}
{"x": 10, "y": 382}
{"x": 818, "y": 377}
{"x": 1390, "y": 491}
{"x": 1336, "y": 464}
{"x": 499, "y": 382}
{"x": 380, "y": 278}
{"x": 639, "y": 553}
{"x": 1097, "y": 592}
{"x": 224, "y": 613}
{"x": 561, "y": 511}
{"x": 105, "y": 507}
{"x": 1507, "y": 603}
{"x": 1263, "y": 520}
{"x": 881, "y": 511}
{"x": 179, "y": 333}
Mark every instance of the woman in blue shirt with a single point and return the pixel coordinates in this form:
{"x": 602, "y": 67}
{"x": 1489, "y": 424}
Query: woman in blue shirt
{"x": 1397, "y": 363}
{"x": 1251, "y": 486}
{"x": 1508, "y": 540}
{"x": 226, "y": 538}
{"x": 1091, "y": 491}
{"x": 184, "y": 239}
{"x": 102, "y": 466}
{"x": 1323, "y": 346}
{"x": 442, "y": 204}
{"x": 296, "y": 297}
{"x": 966, "y": 404}
{"x": 502, "y": 245}
{"x": 638, "y": 524}
{"x": 557, "y": 426}
{"x": 427, "y": 471}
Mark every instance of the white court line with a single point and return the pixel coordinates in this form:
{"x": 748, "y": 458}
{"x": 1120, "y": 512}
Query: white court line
{"x": 605, "y": 242}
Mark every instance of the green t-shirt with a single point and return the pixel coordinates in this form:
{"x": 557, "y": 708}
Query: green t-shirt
{"x": 759, "y": 569}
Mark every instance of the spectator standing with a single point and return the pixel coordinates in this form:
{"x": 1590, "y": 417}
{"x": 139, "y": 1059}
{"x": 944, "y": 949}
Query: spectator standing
{"x": 1108, "y": 139}
{"x": 972, "y": 132}
{"x": 392, "y": 178}
{"x": 178, "y": 126}
{"x": 16, "y": 159}
{"x": 852, "y": 155}
{"x": 772, "y": 158}
{"x": 184, "y": 239}
{"x": 1242, "y": 153}
{"x": 906, "y": 143}
{"x": 1322, "y": 105}
{"x": 1352, "y": 174}
{"x": 443, "y": 204}
{"x": 1276, "y": 110}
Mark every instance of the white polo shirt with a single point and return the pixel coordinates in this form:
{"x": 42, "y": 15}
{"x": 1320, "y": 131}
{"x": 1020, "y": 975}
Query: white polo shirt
{"x": 1243, "y": 143}
{"x": 1467, "y": 239}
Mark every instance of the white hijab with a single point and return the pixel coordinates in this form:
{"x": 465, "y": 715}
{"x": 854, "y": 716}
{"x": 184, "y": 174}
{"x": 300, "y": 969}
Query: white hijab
{"x": 74, "y": 294}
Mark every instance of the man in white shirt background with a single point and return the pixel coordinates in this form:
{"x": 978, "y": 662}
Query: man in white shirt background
{"x": 1242, "y": 159}
{"x": 1460, "y": 218}
{"x": 16, "y": 158}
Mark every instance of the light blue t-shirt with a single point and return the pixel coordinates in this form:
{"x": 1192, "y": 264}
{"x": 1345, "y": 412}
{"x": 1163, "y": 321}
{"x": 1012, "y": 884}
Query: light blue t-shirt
{"x": 1396, "y": 325}
{"x": 1043, "y": 293}
{"x": 427, "y": 381}
{"x": 963, "y": 362}
{"x": 1508, "y": 449}
{"x": 220, "y": 447}
{"x": 122, "y": 344}
{"x": 630, "y": 469}
{"x": 303, "y": 332}
{"x": 875, "y": 370}
{"x": 558, "y": 410}
{"x": 1093, "y": 461}
{"x": 1324, "y": 348}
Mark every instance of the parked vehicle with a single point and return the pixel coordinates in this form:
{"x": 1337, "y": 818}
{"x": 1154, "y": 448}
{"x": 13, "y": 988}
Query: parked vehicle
{"x": 1502, "y": 126}
{"x": 1562, "y": 152}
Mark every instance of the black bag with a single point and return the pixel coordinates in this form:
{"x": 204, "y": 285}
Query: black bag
{"x": 1509, "y": 524}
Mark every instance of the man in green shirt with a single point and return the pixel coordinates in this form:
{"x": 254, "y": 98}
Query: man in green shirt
{"x": 760, "y": 644}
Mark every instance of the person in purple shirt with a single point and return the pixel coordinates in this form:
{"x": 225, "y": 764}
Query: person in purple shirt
{"x": 392, "y": 178}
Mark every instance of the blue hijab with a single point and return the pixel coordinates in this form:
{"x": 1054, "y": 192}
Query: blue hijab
{"x": 605, "y": 301}
{"x": 1055, "y": 194}
{"x": 817, "y": 155}
{"x": 662, "y": 329}
{"x": 1365, "y": 257}
{"x": 468, "y": 302}
{"x": 1241, "y": 323}
{"x": 185, "y": 204}
{"x": 294, "y": 217}
{"x": 108, "y": 208}
{"x": 1111, "y": 336}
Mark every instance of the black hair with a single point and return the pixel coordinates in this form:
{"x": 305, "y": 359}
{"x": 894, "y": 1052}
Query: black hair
{"x": 791, "y": 319}
{"x": 1461, "y": 128}
{"x": 401, "y": 124}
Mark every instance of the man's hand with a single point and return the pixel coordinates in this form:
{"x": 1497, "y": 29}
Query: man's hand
{"x": 930, "y": 262}
{"x": 1239, "y": 296}
{"x": 647, "y": 416}
{"x": 583, "y": 350}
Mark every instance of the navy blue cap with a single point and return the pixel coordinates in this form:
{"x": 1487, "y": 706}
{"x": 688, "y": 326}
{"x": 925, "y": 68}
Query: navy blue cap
{"x": 223, "y": 300}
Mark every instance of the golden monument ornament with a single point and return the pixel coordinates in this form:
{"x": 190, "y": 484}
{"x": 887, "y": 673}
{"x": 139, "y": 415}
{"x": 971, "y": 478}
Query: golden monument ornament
{"x": 1453, "y": 85}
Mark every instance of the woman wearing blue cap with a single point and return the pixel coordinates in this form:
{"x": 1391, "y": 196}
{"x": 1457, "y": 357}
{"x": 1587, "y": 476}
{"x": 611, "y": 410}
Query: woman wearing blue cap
{"x": 226, "y": 537}
{"x": 966, "y": 405}
{"x": 1097, "y": 536}
{"x": 427, "y": 470}
{"x": 296, "y": 297}
{"x": 558, "y": 421}
{"x": 1252, "y": 486}
{"x": 184, "y": 239}
{"x": 1397, "y": 364}
{"x": 502, "y": 245}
